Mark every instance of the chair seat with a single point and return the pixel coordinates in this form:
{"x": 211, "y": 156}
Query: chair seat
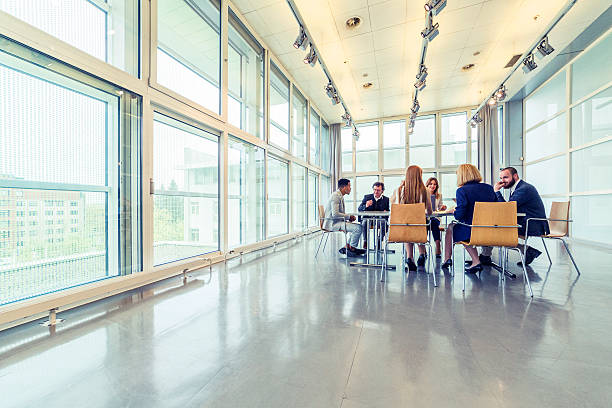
{"x": 553, "y": 236}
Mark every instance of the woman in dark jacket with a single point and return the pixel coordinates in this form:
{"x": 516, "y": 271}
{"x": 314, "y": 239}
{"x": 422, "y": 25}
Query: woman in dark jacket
{"x": 469, "y": 192}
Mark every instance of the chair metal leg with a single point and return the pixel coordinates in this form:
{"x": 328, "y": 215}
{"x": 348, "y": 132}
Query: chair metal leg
{"x": 547, "y": 254}
{"x": 503, "y": 263}
{"x": 403, "y": 263}
{"x": 463, "y": 265}
{"x": 429, "y": 265}
{"x": 325, "y": 243}
{"x": 570, "y": 255}
{"x": 384, "y": 264}
{"x": 319, "y": 247}
{"x": 525, "y": 276}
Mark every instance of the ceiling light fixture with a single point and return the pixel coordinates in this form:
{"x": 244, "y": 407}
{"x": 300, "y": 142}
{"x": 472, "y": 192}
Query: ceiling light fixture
{"x": 529, "y": 64}
{"x": 335, "y": 99}
{"x": 420, "y": 85}
{"x": 492, "y": 101}
{"x": 300, "y": 41}
{"x": 415, "y": 107}
{"x": 431, "y": 31}
{"x": 353, "y": 22}
{"x": 500, "y": 94}
{"x": 329, "y": 89}
{"x": 422, "y": 73}
{"x": 544, "y": 48}
{"x": 346, "y": 118}
{"x": 311, "y": 58}
{"x": 435, "y": 6}
{"x": 355, "y": 133}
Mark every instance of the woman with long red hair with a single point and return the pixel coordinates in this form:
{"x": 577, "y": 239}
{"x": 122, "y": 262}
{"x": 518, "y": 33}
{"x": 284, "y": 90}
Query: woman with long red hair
{"x": 413, "y": 191}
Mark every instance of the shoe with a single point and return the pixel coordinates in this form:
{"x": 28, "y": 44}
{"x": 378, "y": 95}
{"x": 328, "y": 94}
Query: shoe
{"x": 530, "y": 255}
{"x": 359, "y": 251}
{"x": 485, "y": 260}
{"x": 468, "y": 262}
{"x": 411, "y": 265}
{"x": 438, "y": 256}
{"x": 342, "y": 250}
{"x": 421, "y": 260}
{"x": 353, "y": 254}
{"x": 474, "y": 269}
{"x": 447, "y": 264}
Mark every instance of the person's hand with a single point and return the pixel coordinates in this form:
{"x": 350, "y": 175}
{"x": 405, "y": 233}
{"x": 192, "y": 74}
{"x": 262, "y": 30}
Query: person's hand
{"x": 498, "y": 186}
{"x": 369, "y": 203}
{"x": 352, "y": 218}
{"x": 443, "y": 208}
{"x": 452, "y": 210}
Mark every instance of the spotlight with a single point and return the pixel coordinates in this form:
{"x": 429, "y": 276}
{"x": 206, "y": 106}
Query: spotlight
{"x": 529, "y": 64}
{"x": 329, "y": 89}
{"x": 422, "y": 73}
{"x": 415, "y": 107}
{"x": 430, "y": 32}
{"x": 346, "y": 118}
{"x": 500, "y": 94}
{"x": 355, "y": 133}
{"x": 435, "y": 6}
{"x": 335, "y": 99}
{"x": 411, "y": 125}
{"x": 300, "y": 41}
{"x": 420, "y": 84}
{"x": 492, "y": 101}
{"x": 544, "y": 48}
{"x": 311, "y": 58}
{"x": 473, "y": 123}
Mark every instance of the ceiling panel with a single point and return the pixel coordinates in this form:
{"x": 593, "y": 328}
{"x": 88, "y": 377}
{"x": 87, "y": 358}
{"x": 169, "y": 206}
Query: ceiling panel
{"x": 387, "y": 14}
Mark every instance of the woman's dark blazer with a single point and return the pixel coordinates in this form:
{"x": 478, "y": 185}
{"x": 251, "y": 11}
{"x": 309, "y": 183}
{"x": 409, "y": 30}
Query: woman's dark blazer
{"x": 467, "y": 195}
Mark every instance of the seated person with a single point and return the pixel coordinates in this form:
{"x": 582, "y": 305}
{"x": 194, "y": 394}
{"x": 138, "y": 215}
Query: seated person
{"x": 336, "y": 219}
{"x": 433, "y": 188}
{"x": 374, "y": 202}
{"x": 413, "y": 191}
{"x": 469, "y": 192}
{"x": 528, "y": 201}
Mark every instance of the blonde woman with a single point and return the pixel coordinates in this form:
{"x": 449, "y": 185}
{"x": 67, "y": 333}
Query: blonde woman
{"x": 469, "y": 192}
{"x": 412, "y": 191}
{"x": 433, "y": 188}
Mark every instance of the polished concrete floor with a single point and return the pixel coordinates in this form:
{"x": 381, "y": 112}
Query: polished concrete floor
{"x": 280, "y": 329}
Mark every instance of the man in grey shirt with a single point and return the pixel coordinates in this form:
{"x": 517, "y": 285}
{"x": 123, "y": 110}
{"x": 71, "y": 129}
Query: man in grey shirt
{"x": 336, "y": 218}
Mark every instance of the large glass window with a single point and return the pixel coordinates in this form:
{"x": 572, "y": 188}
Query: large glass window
{"x": 325, "y": 147}
{"x": 279, "y": 108}
{"x": 246, "y": 79}
{"x": 188, "y": 50}
{"x": 448, "y": 188}
{"x": 246, "y": 193}
{"x": 391, "y": 184}
{"x": 589, "y": 224}
{"x": 326, "y": 190}
{"x": 300, "y": 118}
{"x": 186, "y": 197}
{"x": 394, "y": 144}
{"x": 547, "y": 139}
{"x": 346, "y": 141}
{"x": 592, "y": 119}
{"x": 278, "y": 197}
{"x": 298, "y": 197}
{"x": 546, "y": 101}
{"x": 592, "y": 167}
{"x": 363, "y": 186}
{"x": 366, "y": 148}
{"x": 548, "y": 176}
{"x": 423, "y": 142}
{"x": 315, "y": 122}
{"x": 592, "y": 70}
{"x": 454, "y": 139}
{"x": 107, "y": 30}
{"x": 64, "y": 221}
{"x": 313, "y": 199}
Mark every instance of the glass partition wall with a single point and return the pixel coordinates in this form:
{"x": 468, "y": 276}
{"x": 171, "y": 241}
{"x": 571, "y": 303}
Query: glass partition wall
{"x": 438, "y": 144}
{"x": 171, "y": 170}
{"x": 567, "y": 140}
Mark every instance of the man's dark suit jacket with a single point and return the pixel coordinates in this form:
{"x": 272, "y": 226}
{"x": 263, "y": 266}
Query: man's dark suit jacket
{"x": 528, "y": 201}
{"x": 381, "y": 205}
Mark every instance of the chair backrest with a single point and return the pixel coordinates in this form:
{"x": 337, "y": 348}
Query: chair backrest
{"x": 559, "y": 211}
{"x": 321, "y": 215}
{"x": 407, "y": 214}
{"x": 498, "y": 214}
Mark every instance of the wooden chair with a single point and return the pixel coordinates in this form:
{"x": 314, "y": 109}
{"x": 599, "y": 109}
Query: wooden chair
{"x": 407, "y": 224}
{"x": 326, "y": 232}
{"x": 494, "y": 224}
{"x": 559, "y": 227}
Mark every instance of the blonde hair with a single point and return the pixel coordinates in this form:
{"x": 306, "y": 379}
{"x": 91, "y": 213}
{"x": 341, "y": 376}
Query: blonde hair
{"x": 466, "y": 173}
{"x": 437, "y": 192}
{"x": 412, "y": 190}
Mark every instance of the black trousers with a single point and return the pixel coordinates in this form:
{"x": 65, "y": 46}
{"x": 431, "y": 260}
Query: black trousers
{"x": 435, "y": 228}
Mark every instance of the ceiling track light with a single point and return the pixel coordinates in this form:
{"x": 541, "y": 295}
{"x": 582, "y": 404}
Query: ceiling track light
{"x": 311, "y": 58}
{"x": 529, "y": 64}
{"x": 544, "y": 48}
{"x": 301, "y": 40}
{"x": 346, "y": 118}
{"x": 492, "y": 101}
{"x": 420, "y": 84}
{"x": 422, "y": 73}
{"x": 500, "y": 94}
{"x": 356, "y": 133}
{"x": 435, "y": 6}
{"x": 335, "y": 99}
{"x": 430, "y": 32}
{"x": 473, "y": 123}
{"x": 415, "y": 107}
{"x": 330, "y": 90}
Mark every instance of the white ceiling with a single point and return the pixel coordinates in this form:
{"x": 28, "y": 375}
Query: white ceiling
{"x": 385, "y": 48}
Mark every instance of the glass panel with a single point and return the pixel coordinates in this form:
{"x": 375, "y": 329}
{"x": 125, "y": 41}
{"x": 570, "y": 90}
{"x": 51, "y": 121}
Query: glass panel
{"x": 592, "y": 167}
{"x": 278, "y": 197}
{"x": 589, "y": 224}
{"x": 186, "y": 203}
{"x": 454, "y": 139}
{"x": 106, "y": 31}
{"x": 592, "y": 70}
{"x": 366, "y": 158}
{"x": 60, "y": 202}
{"x": 546, "y": 139}
{"x": 423, "y": 156}
{"x": 546, "y": 101}
{"x": 246, "y": 78}
{"x": 299, "y": 124}
{"x": 592, "y": 119}
{"x": 424, "y": 132}
{"x": 346, "y": 136}
{"x": 279, "y": 108}
{"x": 500, "y": 136}
{"x": 363, "y": 186}
{"x": 549, "y": 176}
{"x": 298, "y": 197}
{"x": 325, "y": 148}
{"x": 246, "y": 197}
{"x": 326, "y": 190}
{"x": 314, "y": 138}
{"x": 313, "y": 202}
{"x": 448, "y": 188}
{"x": 349, "y": 199}
{"x": 391, "y": 184}
{"x": 394, "y": 144}
{"x": 188, "y": 50}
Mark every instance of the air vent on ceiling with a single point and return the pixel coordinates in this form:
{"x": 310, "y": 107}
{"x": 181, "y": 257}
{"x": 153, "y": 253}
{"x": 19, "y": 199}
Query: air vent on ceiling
{"x": 512, "y": 61}
{"x": 353, "y": 22}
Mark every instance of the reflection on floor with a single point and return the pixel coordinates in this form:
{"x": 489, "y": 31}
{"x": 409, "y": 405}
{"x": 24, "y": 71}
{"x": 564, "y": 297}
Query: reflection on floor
{"x": 284, "y": 330}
